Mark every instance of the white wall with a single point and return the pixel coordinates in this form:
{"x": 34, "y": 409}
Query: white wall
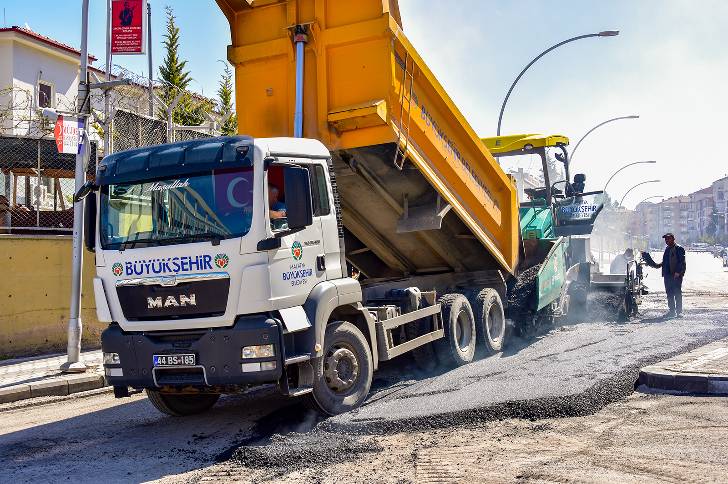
{"x": 60, "y": 71}
{"x": 6, "y": 80}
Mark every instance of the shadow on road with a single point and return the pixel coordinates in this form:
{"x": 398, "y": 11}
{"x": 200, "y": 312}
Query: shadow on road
{"x": 129, "y": 440}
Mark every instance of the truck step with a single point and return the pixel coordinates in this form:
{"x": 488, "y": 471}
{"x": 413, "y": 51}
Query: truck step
{"x": 297, "y": 392}
{"x": 298, "y": 359}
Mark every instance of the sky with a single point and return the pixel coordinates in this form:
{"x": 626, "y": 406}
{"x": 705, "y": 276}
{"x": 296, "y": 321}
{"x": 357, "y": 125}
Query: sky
{"x": 668, "y": 65}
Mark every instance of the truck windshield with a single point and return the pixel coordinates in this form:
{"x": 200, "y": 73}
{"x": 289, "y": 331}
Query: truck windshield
{"x": 208, "y": 206}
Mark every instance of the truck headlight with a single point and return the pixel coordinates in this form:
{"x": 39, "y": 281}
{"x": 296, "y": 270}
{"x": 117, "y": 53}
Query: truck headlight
{"x": 258, "y": 351}
{"x": 112, "y": 359}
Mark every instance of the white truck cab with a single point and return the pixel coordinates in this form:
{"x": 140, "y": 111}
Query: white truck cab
{"x": 199, "y": 282}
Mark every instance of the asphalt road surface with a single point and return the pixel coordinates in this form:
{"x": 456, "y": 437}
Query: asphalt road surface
{"x": 570, "y": 371}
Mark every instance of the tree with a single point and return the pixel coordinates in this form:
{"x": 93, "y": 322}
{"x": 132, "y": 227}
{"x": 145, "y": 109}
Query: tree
{"x": 189, "y": 111}
{"x": 225, "y": 93}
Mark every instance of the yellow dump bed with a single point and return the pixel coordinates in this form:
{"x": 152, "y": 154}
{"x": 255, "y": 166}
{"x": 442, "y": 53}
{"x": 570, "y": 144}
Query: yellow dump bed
{"x": 419, "y": 191}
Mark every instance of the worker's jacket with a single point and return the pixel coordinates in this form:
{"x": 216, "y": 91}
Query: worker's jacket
{"x": 673, "y": 260}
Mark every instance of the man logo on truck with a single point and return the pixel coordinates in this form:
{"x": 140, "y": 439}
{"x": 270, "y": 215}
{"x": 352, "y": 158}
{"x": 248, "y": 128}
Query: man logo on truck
{"x": 297, "y": 250}
{"x": 184, "y": 300}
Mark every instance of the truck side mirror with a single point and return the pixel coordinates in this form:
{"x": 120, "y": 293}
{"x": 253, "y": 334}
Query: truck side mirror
{"x": 89, "y": 223}
{"x": 299, "y": 207}
{"x": 85, "y": 189}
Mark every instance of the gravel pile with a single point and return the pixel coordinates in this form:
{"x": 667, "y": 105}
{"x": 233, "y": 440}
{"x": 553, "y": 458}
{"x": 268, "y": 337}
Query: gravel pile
{"x": 521, "y": 292}
{"x": 605, "y": 305}
{"x": 294, "y": 451}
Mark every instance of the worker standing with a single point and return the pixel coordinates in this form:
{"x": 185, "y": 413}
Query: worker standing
{"x": 673, "y": 270}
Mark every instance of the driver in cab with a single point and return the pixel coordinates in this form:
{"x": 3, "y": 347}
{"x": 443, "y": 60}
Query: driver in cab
{"x": 277, "y": 209}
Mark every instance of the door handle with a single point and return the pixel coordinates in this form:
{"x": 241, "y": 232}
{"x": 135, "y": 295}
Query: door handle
{"x": 321, "y": 262}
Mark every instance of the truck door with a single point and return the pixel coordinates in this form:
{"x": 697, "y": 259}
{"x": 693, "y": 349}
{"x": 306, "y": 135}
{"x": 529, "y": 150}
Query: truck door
{"x": 299, "y": 264}
{"x": 323, "y": 209}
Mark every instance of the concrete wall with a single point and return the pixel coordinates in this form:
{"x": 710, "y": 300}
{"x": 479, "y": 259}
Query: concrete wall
{"x": 35, "y": 279}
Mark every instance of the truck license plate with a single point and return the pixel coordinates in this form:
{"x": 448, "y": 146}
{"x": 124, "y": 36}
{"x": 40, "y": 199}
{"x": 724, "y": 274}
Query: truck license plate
{"x": 174, "y": 360}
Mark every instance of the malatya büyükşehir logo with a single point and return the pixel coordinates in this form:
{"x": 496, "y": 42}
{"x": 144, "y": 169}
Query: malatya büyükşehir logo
{"x": 117, "y": 269}
{"x": 222, "y": 260}
{"x": 297, "y": 250}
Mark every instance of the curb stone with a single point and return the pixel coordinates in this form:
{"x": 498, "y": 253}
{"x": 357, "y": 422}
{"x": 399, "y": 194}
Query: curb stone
{"x": 14, "y": 393}
{"x": 702, "y": 371}
{"x": 58, "y": 387}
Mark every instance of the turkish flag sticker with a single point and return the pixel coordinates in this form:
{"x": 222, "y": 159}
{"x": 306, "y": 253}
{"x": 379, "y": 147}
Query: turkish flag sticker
{"x": 234, "y": 189}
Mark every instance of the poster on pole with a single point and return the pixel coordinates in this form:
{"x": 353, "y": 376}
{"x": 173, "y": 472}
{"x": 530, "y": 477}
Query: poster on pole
{"x": 127, "y": 26}
{"x": 67, "y": 133}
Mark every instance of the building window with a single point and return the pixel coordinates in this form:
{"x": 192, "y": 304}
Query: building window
{"x": 45, "y": 95}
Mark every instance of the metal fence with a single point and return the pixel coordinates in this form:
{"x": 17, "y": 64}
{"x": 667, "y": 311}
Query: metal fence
{"x": 36, "y": 185}
{"x": 132, "y": 130}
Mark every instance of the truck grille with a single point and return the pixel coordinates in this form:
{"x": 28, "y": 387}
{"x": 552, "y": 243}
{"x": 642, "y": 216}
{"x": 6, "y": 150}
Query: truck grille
{"x": 183, "y": 297}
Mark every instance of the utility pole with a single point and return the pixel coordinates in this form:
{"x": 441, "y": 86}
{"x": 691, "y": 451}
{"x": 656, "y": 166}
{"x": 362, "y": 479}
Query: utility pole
{"x": 107, "y": 93}
{"x": 149, "y": 57}
{"x": 75, "y": 326}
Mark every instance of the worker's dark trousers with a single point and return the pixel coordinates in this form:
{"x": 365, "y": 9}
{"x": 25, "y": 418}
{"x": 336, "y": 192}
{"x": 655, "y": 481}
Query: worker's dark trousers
{"x": 673, "y": 288}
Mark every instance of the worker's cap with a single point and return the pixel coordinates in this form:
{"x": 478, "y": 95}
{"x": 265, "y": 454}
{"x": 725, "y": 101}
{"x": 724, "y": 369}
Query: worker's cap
{"x": 669, "y": 234}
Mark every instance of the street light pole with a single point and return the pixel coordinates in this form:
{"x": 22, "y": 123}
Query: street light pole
{"x": 635, "y": 186}
{"x": 625, "y": 166}
{"x": 605, "y": 33}
{"x": 74, "y": 363}
{"x": 573, "y": 152}
{"x": 649, "y": 198}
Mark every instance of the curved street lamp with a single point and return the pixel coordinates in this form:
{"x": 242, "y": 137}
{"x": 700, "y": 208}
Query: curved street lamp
{"x": 625, "y": 166}
{"x": 649, "y": 198}
{"x": 641, "y": 183}
{"x": 605, "y": 33}
{"x": 573, "y": 152}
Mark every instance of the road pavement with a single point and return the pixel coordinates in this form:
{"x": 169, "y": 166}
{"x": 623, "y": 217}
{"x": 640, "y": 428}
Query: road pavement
{"x": 569, "y": 371}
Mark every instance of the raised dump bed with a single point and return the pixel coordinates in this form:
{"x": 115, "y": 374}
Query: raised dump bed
{"x": 420, "y": 193}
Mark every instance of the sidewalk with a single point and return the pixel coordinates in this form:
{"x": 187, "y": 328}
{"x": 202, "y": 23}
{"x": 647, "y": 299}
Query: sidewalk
{"x": 40, "y": 377}
{"x": 703, "y": 370}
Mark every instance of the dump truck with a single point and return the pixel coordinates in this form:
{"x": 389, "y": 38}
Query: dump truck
{"x": 357, "y": 217}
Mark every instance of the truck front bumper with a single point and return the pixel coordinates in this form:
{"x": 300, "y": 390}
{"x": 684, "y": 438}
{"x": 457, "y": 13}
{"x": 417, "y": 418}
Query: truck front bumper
{"x": 218, "y": 356}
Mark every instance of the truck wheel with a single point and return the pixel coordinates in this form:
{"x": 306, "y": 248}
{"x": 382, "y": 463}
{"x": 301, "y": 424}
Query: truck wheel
{"x": 490, "y": 320}
{"x": 457, "y": 348}
{"x": 182, "y": 405}
{"x": 343, "y": 375}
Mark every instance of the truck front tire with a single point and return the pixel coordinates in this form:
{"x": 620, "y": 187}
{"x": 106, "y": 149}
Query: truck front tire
{"x": 343, "y": 375}
{"x": 180, "y": 405}
{"x": 457, "y": 348}
{"x": 490, "y": 320}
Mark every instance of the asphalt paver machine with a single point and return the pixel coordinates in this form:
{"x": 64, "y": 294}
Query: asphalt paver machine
{"x": 556, "y": 264}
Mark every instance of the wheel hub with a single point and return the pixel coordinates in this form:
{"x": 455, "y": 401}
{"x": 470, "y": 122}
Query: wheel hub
{"x": 341, "y": 369}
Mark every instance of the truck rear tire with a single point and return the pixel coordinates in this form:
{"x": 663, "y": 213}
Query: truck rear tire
{"x": 343, "y": 375}
{"x": 180, "y": 405}
{"x": 490, "y": 320}
{"x": 457, "y": 348}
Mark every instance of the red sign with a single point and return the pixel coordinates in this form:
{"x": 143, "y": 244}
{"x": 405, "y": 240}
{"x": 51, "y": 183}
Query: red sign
{"x": 127, "y": 26}
{"x": 68, "y": 134}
